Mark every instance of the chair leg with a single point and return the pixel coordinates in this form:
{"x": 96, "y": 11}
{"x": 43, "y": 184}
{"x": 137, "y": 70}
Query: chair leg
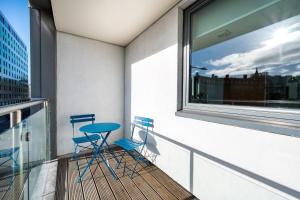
{"x": 124, "y": 168}
{"x": 113, "y": 154}
{"x": 142, "y": 158}
{"x": 85, "y": 169}
{"x": 133, "y": 171}
{"x": 74, "y": 156}
{"x": 94, "y": 171}
{"x": 137, "y": 162}
{"x": 121, "y": 160}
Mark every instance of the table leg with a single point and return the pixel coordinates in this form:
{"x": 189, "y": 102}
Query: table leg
{"x": 97, "y": 152}
{"x": 86, "y": 167}
{"x": 110, "y": 151}
{"x": 108, "y": 166}
{"x": 105, "y": 161}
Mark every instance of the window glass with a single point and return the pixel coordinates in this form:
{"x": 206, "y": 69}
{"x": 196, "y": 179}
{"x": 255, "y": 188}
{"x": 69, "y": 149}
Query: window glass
{"x": 245, "y": 53}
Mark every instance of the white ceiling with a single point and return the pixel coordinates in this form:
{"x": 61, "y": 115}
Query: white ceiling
{"x": 113, "y": 21}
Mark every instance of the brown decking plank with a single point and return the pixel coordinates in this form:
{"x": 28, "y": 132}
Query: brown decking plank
{"x": 61, "y": 192}
{"x": 2, "y": 193}
{"x": 116, "y": 186}
{"x": 170, "y": 184}
{"x": 17, "y": 187}
{"x": 146, "y": 189}
{"x": 102, "y": 185}
{"x": 133, "y": 191}
{"x": 88, "y": 185}
{"x": 66, "y": 196}
{"x": 5, "y": 184}
{"x": 140, "y": 182}
{"x": 151, "y": 181}
{"x": 75, "y": 189}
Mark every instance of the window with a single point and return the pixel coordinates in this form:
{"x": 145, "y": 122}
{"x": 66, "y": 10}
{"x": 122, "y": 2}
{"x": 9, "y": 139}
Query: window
{"x": 242, "y": 56}
{"x": 247, "y": 57}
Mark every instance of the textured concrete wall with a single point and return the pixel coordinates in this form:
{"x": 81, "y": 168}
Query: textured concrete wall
{"x": 90, "y": 79}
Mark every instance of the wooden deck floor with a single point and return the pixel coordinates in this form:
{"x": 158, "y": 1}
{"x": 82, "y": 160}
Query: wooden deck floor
{"x": 149, "y": 184}
{"x": 11, "y": 186}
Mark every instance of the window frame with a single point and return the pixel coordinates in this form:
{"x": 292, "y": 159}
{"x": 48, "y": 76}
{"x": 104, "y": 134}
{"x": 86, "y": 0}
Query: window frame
{"x": 272, "y": 119}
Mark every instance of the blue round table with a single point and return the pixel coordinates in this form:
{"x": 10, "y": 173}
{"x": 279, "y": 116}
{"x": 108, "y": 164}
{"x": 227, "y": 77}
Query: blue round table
{"x": 99, "y": 128}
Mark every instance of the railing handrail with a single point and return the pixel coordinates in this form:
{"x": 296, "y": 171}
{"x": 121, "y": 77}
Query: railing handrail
{"x": 14, "y": 107}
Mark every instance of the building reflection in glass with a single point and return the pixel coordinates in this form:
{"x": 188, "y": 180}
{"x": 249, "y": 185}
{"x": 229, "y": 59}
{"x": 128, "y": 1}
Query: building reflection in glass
{"x": 258, "y": 89}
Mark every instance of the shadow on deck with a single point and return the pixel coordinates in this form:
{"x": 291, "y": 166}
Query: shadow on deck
{"x": 150, "y": 183}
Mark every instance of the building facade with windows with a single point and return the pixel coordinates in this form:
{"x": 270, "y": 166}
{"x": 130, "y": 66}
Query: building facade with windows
{"x": 13, "y": 65}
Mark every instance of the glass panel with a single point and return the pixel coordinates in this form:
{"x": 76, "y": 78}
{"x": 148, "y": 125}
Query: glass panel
{"x": 23, "y": 151}
{"x": 13, "y": 162}
{"x": 246, "y": 53}
{"x": 38, "y": 147}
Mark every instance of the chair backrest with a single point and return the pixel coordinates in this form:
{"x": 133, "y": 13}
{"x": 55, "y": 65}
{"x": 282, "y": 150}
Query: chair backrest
{"x": 143, "y": 122}
{"x": 74, "y": 119}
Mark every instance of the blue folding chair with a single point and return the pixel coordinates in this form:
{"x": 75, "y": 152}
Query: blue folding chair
{"x": 79, "y": 141}
{"x": 131, "y": 145}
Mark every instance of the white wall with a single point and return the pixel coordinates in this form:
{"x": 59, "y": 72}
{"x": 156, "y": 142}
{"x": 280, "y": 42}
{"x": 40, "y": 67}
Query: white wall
{"x": 151, "y": 90}
{"x": 90, "y": 79}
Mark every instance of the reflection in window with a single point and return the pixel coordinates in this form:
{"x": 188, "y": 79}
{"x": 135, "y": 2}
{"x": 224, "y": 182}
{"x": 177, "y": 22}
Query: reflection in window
{"x": 251, "y": 60}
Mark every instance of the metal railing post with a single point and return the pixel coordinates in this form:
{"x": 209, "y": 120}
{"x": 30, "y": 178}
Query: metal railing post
{"x": 15, "y": 118}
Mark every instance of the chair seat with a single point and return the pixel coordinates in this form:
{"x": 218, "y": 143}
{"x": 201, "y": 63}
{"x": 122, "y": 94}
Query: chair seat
{"x": 85, "y": 139}
{"x": 8, "y": 152}
{"x": 128, "y": 144}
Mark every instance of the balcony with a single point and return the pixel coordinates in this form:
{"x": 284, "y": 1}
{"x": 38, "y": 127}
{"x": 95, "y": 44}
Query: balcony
{"x": 30, "y": 173}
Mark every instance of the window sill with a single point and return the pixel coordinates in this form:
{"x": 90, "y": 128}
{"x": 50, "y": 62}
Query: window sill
{"x": 288, "y": 128}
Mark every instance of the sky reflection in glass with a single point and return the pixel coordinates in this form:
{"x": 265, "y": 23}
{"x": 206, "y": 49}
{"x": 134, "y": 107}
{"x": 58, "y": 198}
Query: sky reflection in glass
{"x": 273, "y": 49}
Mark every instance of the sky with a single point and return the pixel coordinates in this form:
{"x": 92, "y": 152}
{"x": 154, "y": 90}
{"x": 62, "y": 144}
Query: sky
{"x": 274, "y": 49}
{"x": 17, "y": 13}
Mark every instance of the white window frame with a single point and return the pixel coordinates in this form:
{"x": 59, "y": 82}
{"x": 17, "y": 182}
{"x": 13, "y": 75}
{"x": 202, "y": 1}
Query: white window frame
{"x": 284, "y": 121}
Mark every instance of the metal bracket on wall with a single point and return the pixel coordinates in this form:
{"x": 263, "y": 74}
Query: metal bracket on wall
{"x": 26, "y": 136}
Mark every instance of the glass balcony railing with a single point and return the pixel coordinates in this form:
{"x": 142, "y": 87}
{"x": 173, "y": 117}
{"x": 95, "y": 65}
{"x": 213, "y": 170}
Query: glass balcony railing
{"x": 24, "y": 148}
